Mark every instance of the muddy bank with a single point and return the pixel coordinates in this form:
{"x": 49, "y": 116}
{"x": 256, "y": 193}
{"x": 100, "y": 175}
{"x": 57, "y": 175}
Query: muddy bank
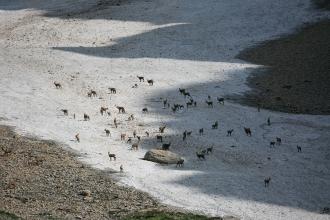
{"x": 296, "y": 76}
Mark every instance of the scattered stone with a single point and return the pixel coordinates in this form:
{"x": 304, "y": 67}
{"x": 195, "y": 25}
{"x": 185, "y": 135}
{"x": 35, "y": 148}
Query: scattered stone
{"x": 86, "y": 193}
{"x": 59, "y": 183}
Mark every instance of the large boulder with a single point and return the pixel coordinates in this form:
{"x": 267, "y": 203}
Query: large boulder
{"x": 162, "y": 156}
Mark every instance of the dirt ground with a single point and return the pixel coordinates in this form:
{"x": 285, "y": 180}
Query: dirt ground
{"x": 39, "y": 180}
{"x": 296, "y": 78}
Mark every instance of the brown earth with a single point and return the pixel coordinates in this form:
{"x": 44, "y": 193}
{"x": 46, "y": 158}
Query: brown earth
{"x": 39, "y": 180}
{"x": 296, "y": 77}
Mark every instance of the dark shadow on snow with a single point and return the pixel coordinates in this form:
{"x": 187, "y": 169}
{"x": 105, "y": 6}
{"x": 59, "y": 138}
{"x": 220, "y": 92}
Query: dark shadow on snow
{"x": 236, "y": 168}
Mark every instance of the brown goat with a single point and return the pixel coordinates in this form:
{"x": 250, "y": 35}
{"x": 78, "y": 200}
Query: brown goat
{"x": 141, "y": 78}
{"x": 65, "y": 111}
{"x": 267, "y": 181}
{"x": 122, "y": 137}
{"x": 103, "y": 109}
{"x": 161, "y": 129}
{"x": 209, "y": 103}
{"x": 112, "y": 156}
{"x": 86, "y": 117}
{"x": 159, "y": 138}
{"x": 120, "y": 109}
{"x": 112, "y": 90}
{"x": 107, "y": 132}
{"x": 248, "y": 131}
{"x": 229, "y": 132}
{"x": 77, "y": 137}
{"x": 180, "y": 163}
{"x": 135, "y": 146}
{"x": 57, "y": 85}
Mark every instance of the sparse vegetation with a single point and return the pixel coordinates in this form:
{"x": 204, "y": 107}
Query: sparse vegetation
{"x": 8, "y": 216}
{"x": 161, "y": 215}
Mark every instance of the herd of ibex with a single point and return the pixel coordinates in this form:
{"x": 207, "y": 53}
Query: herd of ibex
{"x": 201, "y": 155}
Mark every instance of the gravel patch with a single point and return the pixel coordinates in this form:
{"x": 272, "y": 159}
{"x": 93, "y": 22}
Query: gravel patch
{"x": 296, "y": 76}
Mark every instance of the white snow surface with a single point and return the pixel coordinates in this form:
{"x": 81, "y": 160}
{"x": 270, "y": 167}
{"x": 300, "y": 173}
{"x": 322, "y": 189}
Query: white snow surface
{"x": 179, "y": 44}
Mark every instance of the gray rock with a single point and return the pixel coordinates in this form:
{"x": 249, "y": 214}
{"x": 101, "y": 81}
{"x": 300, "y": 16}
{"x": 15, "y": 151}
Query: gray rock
{"x": 162, "y": 156}
{"x": 229, "y": 217}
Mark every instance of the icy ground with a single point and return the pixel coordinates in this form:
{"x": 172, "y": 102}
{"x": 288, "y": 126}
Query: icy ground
{"x": 178, "y": 43}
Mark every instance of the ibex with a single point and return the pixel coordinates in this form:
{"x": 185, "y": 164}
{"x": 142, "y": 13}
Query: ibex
{"x": 182, "y": 91}
{"x": 131, "y": 117}
{"x": 209, "y": 150}
{"x": 57, "y": 85}
{"x": 86, "y": 117}
{"x": 186, "y": 94}
{"x": 161, "y": 129}
{"x": 65, "y": 111}
{"x": 141, "y": 78}
{"x": 112, "y": 90}
{"x": 189, "y": 104}
{"x": 248, "y": 131}
{"x": 159, "y": 138}
{"x": 103, "y": 109}
{"x": 209, "y": 103}
{"x": 112, "y": 156}
{"x": 180, "y": 163}
{"x": 107, "y": 132}
{"x": 298, "y": 148}
{"x": 135, "y": 146}
{"x": 278, "y": 140}
{"x": 229, "y": 132}
{"x": 77, "y": 137}
{"x": 166, "y": 146}
{"x": 92, "y": 93}
{"x": 267, "y": 181}
{"x": 221, "y": 100}
{"x": 120, "y": 109}
{"x": 200, "y": 155}
{"x": 165, "y": 103}
{"x": 115, "y": 122}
